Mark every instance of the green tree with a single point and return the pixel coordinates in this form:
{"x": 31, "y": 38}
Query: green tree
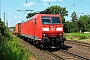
{"x": 67, "y": 27}
{"x": 56, "y": 10}
{"x": 74, "y": 16}
{"x": 80, "y": 25}
{"x": 52, "y": 10}
{"x": 86, "y": 21}
{"x": 30, "y": 14}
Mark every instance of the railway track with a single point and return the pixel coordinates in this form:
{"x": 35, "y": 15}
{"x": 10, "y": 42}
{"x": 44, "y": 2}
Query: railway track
{"x": 75, "y": 55}
{"x": 66, "y": 55}
{"x": 54, "y": 55}
{"x": 78, "y": 43}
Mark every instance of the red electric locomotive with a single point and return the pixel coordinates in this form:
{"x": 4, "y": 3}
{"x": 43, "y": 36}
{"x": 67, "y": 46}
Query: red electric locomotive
{"x": 45, "y": 30}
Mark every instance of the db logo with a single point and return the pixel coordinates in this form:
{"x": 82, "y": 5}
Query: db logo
{"x": 52, "y": 29}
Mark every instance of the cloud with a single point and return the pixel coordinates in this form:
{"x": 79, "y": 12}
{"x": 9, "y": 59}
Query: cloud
{"x": 49, "y": 0}
{"x": 29, "y": 4}
{"x": 17, "y": 17}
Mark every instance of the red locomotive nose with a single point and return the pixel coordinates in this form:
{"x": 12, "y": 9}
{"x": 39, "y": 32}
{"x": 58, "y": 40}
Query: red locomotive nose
{"x": 54, "y": 30}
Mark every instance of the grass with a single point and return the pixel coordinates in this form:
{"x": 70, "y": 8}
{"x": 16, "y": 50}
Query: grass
{"x": 85, "y": 37}
{"x": 78, "y": 34}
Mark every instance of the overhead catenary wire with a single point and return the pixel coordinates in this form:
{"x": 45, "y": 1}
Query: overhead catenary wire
{"x": 36, "y": 3}
{"x": 75, "y": 3}
{"x": 67, "y": 6}
{"x": 49, "y": 3}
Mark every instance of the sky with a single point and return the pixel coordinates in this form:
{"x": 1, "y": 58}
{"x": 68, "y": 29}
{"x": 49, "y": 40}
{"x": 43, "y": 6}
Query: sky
{"x": 10, "y": 8}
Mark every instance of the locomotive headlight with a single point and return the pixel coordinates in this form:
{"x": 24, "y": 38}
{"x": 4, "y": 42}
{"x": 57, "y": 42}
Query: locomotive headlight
{"x": 45, "y": 35}
{"x": 60, "y": 34}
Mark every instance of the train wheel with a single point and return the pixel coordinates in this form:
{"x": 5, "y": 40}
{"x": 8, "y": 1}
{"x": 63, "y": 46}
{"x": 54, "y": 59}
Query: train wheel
{"x": 31, "y": 41}
{"x": 28, "y": 39}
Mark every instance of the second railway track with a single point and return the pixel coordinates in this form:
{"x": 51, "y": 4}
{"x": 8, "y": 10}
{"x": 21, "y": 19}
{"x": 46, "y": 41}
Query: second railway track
{"x": 66, "y": 55}
{"x": 78, "y": 43}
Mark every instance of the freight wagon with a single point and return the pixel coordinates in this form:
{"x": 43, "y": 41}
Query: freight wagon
{"x": 17, "y": 29}
{"x": 44, "y": 30}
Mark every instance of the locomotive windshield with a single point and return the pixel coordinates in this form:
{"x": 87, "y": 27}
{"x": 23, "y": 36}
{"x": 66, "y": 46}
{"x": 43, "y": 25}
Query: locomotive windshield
{"x": 46, "y": 20}
{"x": 55, "y": 20}
{"x": 50, "y": 20}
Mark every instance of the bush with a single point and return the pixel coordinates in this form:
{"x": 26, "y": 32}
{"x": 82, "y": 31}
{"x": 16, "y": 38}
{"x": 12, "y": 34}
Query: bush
{"x": 10, "y": 46}
{"x": 13, "y": 50}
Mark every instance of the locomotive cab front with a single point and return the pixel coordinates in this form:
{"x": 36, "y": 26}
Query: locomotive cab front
{"x": 52, "y": 31}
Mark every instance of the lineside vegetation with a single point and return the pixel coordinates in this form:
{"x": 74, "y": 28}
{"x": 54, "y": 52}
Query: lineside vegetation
{"x": 11, "y": 47}
{"x": 85, "y": 37}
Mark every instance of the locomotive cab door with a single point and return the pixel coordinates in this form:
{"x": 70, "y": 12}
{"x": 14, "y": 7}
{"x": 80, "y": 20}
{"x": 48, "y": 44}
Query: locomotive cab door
{"x": 34, "y": 28}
